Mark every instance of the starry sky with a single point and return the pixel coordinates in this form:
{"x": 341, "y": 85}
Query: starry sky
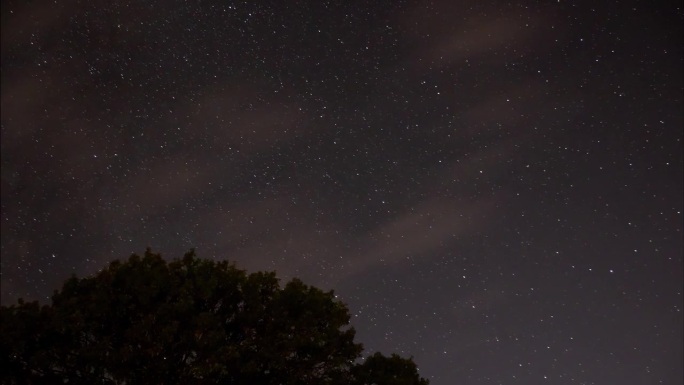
{"x": 494, "y": 188}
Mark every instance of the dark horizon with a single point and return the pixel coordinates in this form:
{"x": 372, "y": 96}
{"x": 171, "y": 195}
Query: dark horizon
{"x": 494, "y": 189}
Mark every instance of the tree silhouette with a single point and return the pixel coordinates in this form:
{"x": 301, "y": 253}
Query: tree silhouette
{"x": 190, "y": 321}
{"x": 381, "y": 370}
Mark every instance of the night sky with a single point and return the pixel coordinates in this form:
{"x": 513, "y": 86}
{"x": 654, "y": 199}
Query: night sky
{"x": 494, "y": 188}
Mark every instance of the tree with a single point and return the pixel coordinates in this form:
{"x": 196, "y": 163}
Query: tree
{"x": 190, "y": 321}
{"x": 381, "y": 370}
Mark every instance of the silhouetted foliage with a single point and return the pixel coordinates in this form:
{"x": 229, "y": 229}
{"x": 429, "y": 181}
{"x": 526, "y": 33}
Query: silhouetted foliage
{"x": 190, "y": 321}
{"x": 381, "y": 370}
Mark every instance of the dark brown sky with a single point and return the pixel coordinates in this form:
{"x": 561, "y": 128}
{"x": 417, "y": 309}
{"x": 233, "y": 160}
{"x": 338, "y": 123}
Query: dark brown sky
{"x": 493, "y": 188}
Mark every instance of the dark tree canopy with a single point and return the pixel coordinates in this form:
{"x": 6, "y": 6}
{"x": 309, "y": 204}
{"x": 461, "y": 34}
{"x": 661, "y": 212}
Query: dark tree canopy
{"x": 190, "y": 321}
{"x": 381, "y": 370}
